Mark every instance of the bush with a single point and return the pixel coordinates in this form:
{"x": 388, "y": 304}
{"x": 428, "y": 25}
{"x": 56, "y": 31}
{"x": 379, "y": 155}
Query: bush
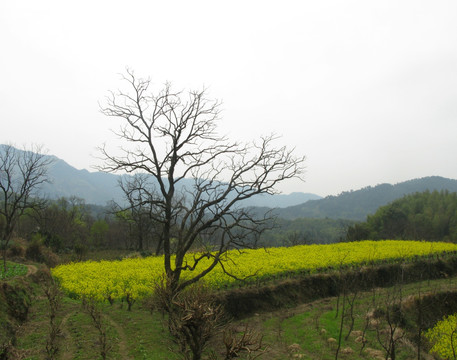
{"x": 50, "y": 259}
{"x": 15, "y": 251}
{"x": 35, "y": 251}
{"x": 193, "y": 316}
{"x": 146, "y": 253}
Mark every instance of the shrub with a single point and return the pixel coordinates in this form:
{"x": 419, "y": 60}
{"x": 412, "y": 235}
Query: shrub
{"x": 146, "y": 253}
{"x": 15, "y": 251}
{"x": 50, "y": 259}
{"x": 35, "y": 251}
{"x": 193, "y": 316}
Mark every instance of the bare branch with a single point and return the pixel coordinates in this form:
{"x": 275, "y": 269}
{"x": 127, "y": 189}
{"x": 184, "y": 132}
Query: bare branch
{"x": 22, "y": 172}
{"x": 172, "y": 136}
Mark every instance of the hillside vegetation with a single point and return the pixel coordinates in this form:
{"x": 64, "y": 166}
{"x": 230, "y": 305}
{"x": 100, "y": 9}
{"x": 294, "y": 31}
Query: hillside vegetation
{"x": 305, "y": 231}
{"x": 348, "y": 321}
{"x": 356, "y": 205}
{"x": 428, "y": 216}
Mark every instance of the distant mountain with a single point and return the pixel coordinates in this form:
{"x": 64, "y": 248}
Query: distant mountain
{"x": 94, "y": 187}
{"x": 99, "y": 188}
{"x": 356, "y": 205}
{"x": 280, "y": 200}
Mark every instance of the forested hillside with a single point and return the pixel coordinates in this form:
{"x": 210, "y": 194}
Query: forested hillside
{"x": 356, "y": 205}
{"x": 306, "y": 231}
{"x": 420, "y": 216}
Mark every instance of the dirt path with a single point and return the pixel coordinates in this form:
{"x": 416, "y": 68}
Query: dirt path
{"x": 122, "y": 343}
{"x": 31, "y": 269}
{"x": 67, "y": 354}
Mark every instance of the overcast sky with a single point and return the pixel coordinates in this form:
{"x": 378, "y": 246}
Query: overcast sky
{"x": 367, "y": 90}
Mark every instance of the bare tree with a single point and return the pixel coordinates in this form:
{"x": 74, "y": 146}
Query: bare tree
{"x": 94, "y": 310}
{"x": 173, "y": 138}
{"x": 194, "y": 316}
{"x": 390, "y": 315}
{"x": 54, "y": 296}
{"x": 21, "y": 174}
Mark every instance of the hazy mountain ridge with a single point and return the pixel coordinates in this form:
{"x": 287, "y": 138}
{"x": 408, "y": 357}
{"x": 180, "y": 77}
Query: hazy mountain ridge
{"x": 99, "y": 188}
{"x": 356, "y": 205}
{"x": 94, "y": 187}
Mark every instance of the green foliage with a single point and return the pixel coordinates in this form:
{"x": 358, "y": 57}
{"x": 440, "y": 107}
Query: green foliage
{"x": 12, "y": 270}
{"x": 18, "y": 298}
{"x": 15, "y": 301}
{"x": 430, "y": 216}
{"x": 52, "y": 241}
{"x": 98, "y": 232}
{"x": 306, "y": 231}
{"x": 63, "y": 223}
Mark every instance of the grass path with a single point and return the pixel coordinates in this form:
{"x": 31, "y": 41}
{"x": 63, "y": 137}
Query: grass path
{"x": 67, "y": 353}
{"x": 122, "y": 340}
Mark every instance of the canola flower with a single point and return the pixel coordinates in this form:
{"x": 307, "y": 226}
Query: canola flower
{"x": 135, "y": 278}
{"x": 443, "y": 336}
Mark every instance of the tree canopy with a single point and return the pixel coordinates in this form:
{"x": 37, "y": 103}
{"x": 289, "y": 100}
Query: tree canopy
{"x": 420, "y": 216}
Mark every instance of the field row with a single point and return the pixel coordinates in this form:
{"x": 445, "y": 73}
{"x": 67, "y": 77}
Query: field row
{"x": 135, "y": 278}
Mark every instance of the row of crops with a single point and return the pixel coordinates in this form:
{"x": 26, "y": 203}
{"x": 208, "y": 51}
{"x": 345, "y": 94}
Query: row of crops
{"x": 135, "y": 278}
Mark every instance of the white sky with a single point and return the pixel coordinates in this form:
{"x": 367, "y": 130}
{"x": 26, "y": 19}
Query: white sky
{"x": 367, "y": 90}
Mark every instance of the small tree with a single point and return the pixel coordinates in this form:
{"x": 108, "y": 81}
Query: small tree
{"x": 98, "y": 233}
{"x": 22, "y": 172}
{"x": 193, "y": 317}
{"x": 173, "y": 139}
{"x": 250, "y": 342}
{"x": 390, "y": 315}
{"x": 54, "y": 296}
{"x": 94, "y": 310}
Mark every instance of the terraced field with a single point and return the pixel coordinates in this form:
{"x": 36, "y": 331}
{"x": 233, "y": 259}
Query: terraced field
{"x": 135, "y": 278}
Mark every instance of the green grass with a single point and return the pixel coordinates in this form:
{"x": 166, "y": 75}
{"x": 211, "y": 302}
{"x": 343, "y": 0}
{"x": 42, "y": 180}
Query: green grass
{"x": 12, "y": 270}
{"x": 302, "y": 331}
{"x": 306, "y": 330}
{"x": 136, "y": 334}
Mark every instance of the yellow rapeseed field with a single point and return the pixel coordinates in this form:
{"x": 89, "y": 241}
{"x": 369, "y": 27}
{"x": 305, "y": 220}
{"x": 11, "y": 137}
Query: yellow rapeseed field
{"x": 443, "y": 337}
{"x": 135, "y": 278}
